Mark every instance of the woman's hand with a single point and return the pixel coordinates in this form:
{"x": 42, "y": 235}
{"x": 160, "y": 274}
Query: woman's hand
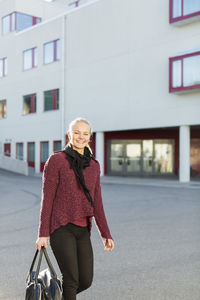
{"x": 42, "y": 241}
{"x": 109, "y": 246}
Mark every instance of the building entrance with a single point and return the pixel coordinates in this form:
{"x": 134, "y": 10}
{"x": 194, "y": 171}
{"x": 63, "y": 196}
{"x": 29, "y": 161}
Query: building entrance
{"x": 140, "y": 157}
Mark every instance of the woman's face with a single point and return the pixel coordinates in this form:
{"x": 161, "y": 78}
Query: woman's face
{"x": 80, "y": 135}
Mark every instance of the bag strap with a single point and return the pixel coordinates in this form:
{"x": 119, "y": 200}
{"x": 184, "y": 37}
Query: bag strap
{"x": 42, "y": 251}
{"x": 29, "y": 276}
{"x": 49, "y": 262}
{"x": 38, "y": 266}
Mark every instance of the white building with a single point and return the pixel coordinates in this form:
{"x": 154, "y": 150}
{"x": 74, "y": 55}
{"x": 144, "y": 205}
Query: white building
{"x": 130, "y": 69}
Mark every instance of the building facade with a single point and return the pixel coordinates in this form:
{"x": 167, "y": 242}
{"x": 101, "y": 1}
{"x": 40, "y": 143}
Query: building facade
{"x": 132, "y": 72}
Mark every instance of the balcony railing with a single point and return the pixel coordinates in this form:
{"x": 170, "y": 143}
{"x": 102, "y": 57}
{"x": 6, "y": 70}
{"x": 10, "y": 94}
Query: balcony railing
{"x": 184, "y": 10}
{"x": 184, "y": 72}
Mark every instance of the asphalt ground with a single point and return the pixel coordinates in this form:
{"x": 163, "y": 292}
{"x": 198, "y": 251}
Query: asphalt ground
{"x": 155, "y": 225}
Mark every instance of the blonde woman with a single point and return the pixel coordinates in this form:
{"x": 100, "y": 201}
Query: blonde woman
{"x": 71, "y": 197}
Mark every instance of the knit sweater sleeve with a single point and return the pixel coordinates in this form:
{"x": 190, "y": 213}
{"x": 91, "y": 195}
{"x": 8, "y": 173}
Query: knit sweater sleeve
{"x": 99, "y": 214}
{"x": 50, "y": 181}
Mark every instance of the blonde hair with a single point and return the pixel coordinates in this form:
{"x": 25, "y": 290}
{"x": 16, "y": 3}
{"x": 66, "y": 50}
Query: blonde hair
{"x": 72, "y": 123}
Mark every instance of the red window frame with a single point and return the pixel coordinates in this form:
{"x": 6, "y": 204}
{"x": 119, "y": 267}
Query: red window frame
{"x": 3, "y": 102}
{"x": 182, "y": 17}
{"x": 180, "y": 88}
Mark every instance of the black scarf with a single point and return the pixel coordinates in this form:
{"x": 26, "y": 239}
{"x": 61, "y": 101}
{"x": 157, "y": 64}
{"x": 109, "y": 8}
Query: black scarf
{"x": 78, "y": 162}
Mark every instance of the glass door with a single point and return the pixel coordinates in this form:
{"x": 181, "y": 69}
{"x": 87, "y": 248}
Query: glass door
{"x": 147, "y": 156}
{"x": 133, "y": 157}
{"x": 124, "y": 157}
{"x": 163, "y": 157}
{"x": 116, "y": 158}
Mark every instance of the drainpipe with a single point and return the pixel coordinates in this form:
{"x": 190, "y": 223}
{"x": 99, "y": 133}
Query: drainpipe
{"x": 63, "y": 85}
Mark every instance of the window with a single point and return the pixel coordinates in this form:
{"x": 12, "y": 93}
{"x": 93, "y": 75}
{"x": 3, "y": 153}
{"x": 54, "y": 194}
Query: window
{"x": 56, "y": 145}
{"x": 184, "y": 72}
{"x": 17, "y": 21}
{"x": 74, "y": 3}
{"x": 29, "y": 104}
{"x": 2, "y": 109}
{"x": 44, "y": 154}
{"x": 19, "y": 151}
{"x": 31, "y": 154}
{"x": 7, "y": 149}
{"x": 51, "y": 51}
{"x": 44, "y": 151}
{"x": 30, "y": 58}
{"x": 3, "y": 67}
{"x": 51, "y": 100}
{"x": 184, "y": 9}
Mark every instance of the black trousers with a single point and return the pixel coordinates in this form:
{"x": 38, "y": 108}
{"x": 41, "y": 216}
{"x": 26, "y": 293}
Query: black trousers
{"x": 71, "y": 245}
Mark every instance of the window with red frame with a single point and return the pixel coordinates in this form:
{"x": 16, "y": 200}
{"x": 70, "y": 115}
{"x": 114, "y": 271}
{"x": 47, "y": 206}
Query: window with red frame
{"x": 3, "y": 67}
{"x": 29, "y": 104}
{"x": 56, "y": 145}
{"x": 184, "y": 72}
{"x": 75, "y": 3}
{"x": 51, "y": 51}
{"x": 51, "y": 100}
{"x": 30, "y": 58}
{"x": 17, "y": 21}
{"x": 183, "y": 9}
{"x": 2, "y": 109}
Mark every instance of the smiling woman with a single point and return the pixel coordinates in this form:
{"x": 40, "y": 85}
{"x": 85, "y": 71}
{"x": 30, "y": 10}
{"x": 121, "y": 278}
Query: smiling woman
{"x": 71, "y": 197}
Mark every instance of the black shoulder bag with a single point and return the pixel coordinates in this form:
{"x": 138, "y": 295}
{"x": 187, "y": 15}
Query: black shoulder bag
{"x": 43, "y": 285}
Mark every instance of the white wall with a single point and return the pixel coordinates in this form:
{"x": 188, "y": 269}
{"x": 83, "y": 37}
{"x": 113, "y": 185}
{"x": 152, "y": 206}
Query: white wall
{"x": 40, "y": 125}
{"x": 117, "y": 67}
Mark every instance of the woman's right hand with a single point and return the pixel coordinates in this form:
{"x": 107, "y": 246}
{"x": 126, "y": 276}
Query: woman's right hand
{"x": 42, "y": 241}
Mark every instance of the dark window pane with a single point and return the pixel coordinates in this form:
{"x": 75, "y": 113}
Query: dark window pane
{"x": 31, "y": 152}
{"x": 35, "y": 103}
{"x": 57, "y": 99}
{"x": 57, "y": 146}
{"x": 20, "y": 151}
{"x": 27, "y": 104}
{"x": 44, "y": 151}
{"x": 48, "y": 100}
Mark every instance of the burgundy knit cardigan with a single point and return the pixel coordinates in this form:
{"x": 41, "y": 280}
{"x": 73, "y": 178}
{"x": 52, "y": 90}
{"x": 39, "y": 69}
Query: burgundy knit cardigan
{"x": 62, "y": 200}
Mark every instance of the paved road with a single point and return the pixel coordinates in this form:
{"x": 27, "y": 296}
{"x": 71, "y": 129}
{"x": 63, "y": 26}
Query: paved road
{"x": 156, "y": 231}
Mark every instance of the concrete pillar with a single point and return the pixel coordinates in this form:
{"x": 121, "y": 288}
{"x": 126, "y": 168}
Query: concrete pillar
{"x": 37, "y": 156}
{"x": 184, "y": 153}
{"x": 13, "y": 148}
{"x": 50, "y": 147}
{"x": 100, "y": 150}
{"x": 25, "y": 149}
